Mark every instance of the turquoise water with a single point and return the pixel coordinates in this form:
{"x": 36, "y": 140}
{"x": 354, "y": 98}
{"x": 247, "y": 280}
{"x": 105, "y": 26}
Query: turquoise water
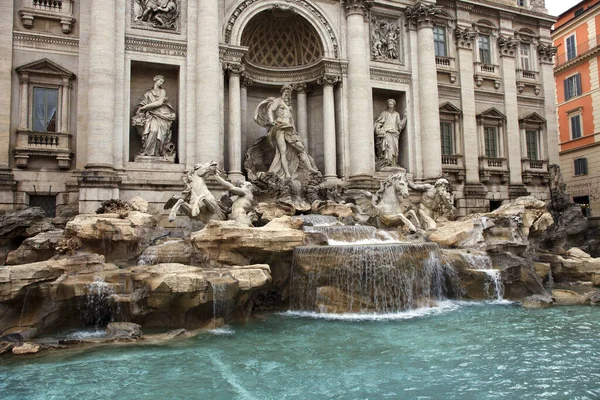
{"x": 461, "y": 351}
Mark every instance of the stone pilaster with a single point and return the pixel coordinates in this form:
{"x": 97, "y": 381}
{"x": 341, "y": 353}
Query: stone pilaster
{"x": 235, "y": 123}
{"x": 421, "y": 17}
{"x": 6, "y": 44}
{"x": 360, "y": 135}
{"x": 302, "y": 108}
{"x": 246, "y": 83}
{"x": 507, "y": 47}
{"x": 546, "y": 54}
{"x": 208, "y": 84}
{"x": 329, "y": 147}
{"x": 99, "y": 181}
{"x": 465, "y": 39}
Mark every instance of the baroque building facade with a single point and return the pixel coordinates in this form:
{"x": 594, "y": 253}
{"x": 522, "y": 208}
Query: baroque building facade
{"x": 578, "y": 97}
{"x": 92, "y": 85}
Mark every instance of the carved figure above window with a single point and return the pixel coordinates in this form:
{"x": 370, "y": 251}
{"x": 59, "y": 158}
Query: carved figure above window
{"x": 156, "y": 14}
{"x": 385, "y": 39}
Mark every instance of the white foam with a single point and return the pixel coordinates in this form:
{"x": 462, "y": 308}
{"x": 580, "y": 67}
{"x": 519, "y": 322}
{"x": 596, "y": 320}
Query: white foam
{"x": 442, "y": 308}
{"x": 88, "y": 334}
{"x": 224, "y": 330}
{"x": 332, "y": 242}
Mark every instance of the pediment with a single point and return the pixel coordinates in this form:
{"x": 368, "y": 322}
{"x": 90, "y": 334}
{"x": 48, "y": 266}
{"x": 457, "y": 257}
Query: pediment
{"x": 449, "y": 108}
{"x": 492, "y": 113}
{"x": 533, "y": 118}
{"x": 44, "y": 67}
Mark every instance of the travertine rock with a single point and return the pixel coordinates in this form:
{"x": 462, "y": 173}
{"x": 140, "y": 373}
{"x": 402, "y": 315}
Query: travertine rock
{"x": 15, "y": 224}
{"x": 26, "y": 348}
{"x": 123, "y": 330}
{"x": 139, "y": 204}
{"x": 567, "y": 298}
{"x": 110, "y": 226}
{"x": 271, "y": 211}
{"x": 38, "y": 248}
{"x": 538, "y": 301}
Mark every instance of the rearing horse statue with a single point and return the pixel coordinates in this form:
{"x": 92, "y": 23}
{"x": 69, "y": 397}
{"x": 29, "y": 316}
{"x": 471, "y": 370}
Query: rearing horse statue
{"x": 390, "y": 206}
{"x": 196, "y": 201}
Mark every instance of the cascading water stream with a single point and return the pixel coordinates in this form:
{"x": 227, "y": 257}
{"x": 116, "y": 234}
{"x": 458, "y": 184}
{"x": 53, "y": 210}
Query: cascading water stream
{"x": 220, "y": 304}
{"x": 483, "y": 263}
{"x": 99, "y": 307}
{"x": 351, "y": 234}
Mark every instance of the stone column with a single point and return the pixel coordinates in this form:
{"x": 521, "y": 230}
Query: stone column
{"x": 99, "y": 181}
{"x": 208, "y": 79}
{"x": 546, "y": 57}
{"x": 329, "y": 147}
{"x": 508, "y": 47}
{"x": 64, "y": 116}
{"x": 465, "y": 39}
{"x": 246, "y": 83}
{"x": 302, "y": 108}
{"x": 7, "y": 183}
{"x": 421, "y": 17}
{"x": 235, "y": 123}
{"x": 24, "y": 103}
{"x": 360, "y": 116}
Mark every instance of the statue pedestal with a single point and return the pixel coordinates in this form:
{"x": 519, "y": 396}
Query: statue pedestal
{"x": 153, "y": 160}
{"x": 391, "y": 170}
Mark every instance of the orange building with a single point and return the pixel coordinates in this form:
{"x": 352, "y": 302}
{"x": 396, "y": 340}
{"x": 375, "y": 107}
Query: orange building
{"x": 577, "y": 36}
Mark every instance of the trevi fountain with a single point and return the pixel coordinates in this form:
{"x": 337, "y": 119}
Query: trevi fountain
{"x": 285, "y": 285}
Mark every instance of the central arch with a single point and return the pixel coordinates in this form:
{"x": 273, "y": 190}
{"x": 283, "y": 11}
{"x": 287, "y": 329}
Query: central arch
{"x": 246, "y": 10}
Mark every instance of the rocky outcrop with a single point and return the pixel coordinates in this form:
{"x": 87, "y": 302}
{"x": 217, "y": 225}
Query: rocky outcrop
{"x": 574, "y": 266}
{"x": 123, "y": 330}
{"x": 37, "y": 248}
{"x": 84, "y": 289}
{"x": 568, "y": 298}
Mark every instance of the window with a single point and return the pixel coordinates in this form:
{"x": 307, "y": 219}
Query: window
{"x": 47, "y": 203}
{"x": 584, "y": 202}
{"x": 580, "y": 166}
{"x": 491, "y": 141}
{"x": 447, "y": 139}
{"x": 531, "y": 139}
{"x": 579, "y": 11}
{"x": 575, "y": 123}
{"x": 572, "y": 86}
{"x": 45, "y": 105}
{"x": 521, "y": 3}
{"x": 525, "y": 50}
{"x": 485, "y": 54}
{"x": 439, "y": 41}
{"x": 495, "y": 204}
{"x": 571, "y": 47}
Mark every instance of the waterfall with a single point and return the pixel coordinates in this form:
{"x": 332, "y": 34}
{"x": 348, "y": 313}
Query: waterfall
{"x": 483, "y": 263}
{"x": 351, "y": 234}
{"x": 219, "y": 297}
{"x": 383, "y": 278}
{"x": 319, "y": 220}
{"x": 98, "y": 304}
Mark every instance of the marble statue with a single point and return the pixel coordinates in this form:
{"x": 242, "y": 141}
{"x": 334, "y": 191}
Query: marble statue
{"x": 153, "y": 118}
{"x": 388, "y": 127}
{"x": 196, "y": 201}
{"x": 241, "y": 209}
{"x": 389, "y": 206}
{"x": 159, "y": 13}
{"x": 290, "y": 155}
{"x": 435, "y": 200}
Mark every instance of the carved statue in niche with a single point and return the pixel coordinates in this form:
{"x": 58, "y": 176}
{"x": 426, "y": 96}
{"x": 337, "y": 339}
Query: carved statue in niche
{"x": 385, "y": 39}
{"x": 276, "y": 115}
{"x": 153, "y": 118}
{"x": 156, "y": 13}
{"x": 388, "y": 127}
{"x": 436, "y": 200}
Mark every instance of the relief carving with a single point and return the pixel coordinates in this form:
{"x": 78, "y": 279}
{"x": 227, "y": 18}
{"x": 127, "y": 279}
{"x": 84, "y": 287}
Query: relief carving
{"x": 156, "y": 14}
{"x": 385, "y": 39}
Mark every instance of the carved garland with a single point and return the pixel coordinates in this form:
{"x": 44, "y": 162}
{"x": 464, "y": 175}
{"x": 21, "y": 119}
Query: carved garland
{"x": 302, "y": 3}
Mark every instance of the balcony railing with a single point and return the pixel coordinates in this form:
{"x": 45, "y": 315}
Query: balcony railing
{"x": 493, "y": 166}
{"x": 534, "y": 168}
{"x": 58, "y": 10}
{"x": 486, "y": 68}
{"x": 453, "y": 161}
{"x": 48, "y": 5}
{"x": 527, "y": 75}
{"x": 44, "y": 144}
{"x": 580, "y": 50}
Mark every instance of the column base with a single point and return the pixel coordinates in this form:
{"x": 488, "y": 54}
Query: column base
{"x": 97, "y": 183}
{"x": 8, "y": 187}
{"x": 364, "y": 182}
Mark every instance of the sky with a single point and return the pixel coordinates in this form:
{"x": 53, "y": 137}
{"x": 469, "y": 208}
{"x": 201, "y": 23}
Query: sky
{"x": 556, "y": 7}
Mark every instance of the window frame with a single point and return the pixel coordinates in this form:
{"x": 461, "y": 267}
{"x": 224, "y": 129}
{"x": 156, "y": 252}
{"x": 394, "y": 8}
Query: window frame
{"x": 496, "y": 142}
{"x": 532, "y": 147}
{"x": 580, "y": 168}
{"x": 528, "y": 58}
{"x": 568, "y": 55}
{"x": 443, "y": 43}
{"x": 574, "y": 90}
{"x": 33, "y": 104}
{"x": 488, "y": 51}
{"x": 572, "y": 116}
{"x": 448, "y": 149}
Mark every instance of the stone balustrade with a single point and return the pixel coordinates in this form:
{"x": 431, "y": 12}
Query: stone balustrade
{"x": 489, "y": 166}
{"x": 59, "y": 10}
{"x": 44, "y": 144}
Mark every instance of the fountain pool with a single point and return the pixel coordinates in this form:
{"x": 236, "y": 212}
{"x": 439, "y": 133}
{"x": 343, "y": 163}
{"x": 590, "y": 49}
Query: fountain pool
{"x": 485, "y": 350}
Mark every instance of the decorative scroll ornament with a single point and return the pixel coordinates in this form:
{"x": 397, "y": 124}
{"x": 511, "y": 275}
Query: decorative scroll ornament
{"x": 547, "y": 52}
{"x": 357, "y": 6}
{"x": 328, "y": 80}
{"x": 385, "y": 39}
{"x": 300, "y": 87}
{"x": 507, "y": 45}
{"x": 465, "y": 37}
{"x": 422, "y": 15}
{"x": 161, "y": 15}
{"x": 235, "y": 69}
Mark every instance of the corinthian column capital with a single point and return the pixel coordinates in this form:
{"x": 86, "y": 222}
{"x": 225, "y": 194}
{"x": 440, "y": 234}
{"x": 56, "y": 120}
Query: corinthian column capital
{"x": 357, "y": 6}
{"x": 421, "y": 15}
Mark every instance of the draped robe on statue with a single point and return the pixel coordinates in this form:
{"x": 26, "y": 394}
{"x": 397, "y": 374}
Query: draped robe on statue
{"x": 157, "y": 126}
{"x": 387, "y": 130}
{"x": 284, "y": 125}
